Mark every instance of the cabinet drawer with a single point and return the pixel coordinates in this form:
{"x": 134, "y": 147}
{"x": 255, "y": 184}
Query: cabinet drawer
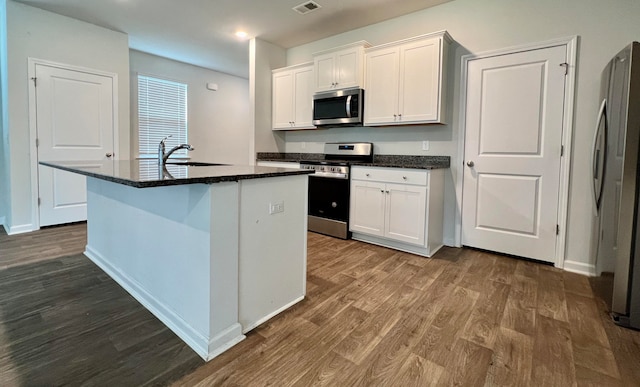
{"x": 391, "y": 175}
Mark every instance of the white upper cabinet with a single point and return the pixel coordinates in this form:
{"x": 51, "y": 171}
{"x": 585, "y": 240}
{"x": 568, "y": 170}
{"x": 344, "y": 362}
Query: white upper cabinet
{"x": 405, "y": 81}
{"x": 340, "y": 68}
{"x": 293, "y": 97}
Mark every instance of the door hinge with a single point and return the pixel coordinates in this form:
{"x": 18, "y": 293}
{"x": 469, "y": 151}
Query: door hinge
{"x": 35, "y": 83}
{"x": 39, "y": 201}
{"x": 557, "y": 229}
{"x": 561, "y": 150}
{"x": 37, "y": 142}
{"x": 566, "y": 67}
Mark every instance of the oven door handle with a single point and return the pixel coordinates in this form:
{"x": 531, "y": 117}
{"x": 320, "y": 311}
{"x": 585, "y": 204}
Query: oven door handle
{"x": 329, "y": 175}
{"x": 348, "y": 106}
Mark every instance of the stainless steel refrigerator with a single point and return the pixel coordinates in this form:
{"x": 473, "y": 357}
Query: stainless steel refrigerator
{"x": 616, "y": 186}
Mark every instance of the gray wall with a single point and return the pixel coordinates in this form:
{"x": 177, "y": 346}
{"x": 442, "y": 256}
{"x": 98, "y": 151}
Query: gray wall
{"x": 4, "y": 119}
{"x": 603, "y": 27}
{"x": 264, "y": 57}
{"x": 34, "y": 33}
{"x": 218, "y": 121}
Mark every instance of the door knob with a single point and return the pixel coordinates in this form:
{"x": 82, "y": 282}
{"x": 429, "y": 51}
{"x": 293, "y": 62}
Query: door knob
{"x": 109, "y": 154}
{"x": 470, "y": 163}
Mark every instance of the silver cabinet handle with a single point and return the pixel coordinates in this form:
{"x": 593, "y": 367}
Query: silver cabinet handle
{"x": 387, "y": 191}
{"x": 404, "y": 178}
{"x": 367, "y": 175}
{"x": 109, "y": 154}
{"x": 470, "y": 163}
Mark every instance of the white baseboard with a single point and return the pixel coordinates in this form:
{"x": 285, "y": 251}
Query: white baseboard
{"x": 206, "y": 348}
{"x": 250, "y": 325}
{"x": 21, "y": 229}
{"x": 580, "y": 268}
{"x": 391, "y": 244}
{"x": 224, "y": 340}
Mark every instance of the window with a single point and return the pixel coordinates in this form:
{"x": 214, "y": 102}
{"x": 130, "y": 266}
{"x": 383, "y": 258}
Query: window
{"x": 162, "y": 111}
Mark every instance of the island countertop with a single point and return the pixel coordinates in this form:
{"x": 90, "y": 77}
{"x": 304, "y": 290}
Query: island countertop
{"x": 147, "y": 173}
{"x": 388, "y": 161}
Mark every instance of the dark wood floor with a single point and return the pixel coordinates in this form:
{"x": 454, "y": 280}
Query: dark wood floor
{"x": 372, "y": 316}
{"x": 46, "y": 243}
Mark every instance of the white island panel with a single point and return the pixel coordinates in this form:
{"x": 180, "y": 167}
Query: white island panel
{"x": 175, "y": 250}
{"x": 273, "y": 247}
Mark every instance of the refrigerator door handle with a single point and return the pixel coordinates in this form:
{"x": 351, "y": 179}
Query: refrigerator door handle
{"x": 595, "y": 158}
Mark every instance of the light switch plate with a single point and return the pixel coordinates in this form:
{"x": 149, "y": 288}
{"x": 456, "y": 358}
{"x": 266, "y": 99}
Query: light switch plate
{"x": 425, "y": 145}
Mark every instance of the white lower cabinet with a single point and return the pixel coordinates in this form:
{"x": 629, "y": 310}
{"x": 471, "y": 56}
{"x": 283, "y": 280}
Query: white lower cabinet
{"x": 398, "y": 208}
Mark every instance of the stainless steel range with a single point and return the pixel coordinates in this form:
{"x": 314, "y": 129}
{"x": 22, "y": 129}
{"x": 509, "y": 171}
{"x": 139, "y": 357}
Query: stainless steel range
{"x": 329, "y": 187}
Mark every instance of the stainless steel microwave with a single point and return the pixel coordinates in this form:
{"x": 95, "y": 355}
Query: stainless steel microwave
{"x": 338, "y": 108}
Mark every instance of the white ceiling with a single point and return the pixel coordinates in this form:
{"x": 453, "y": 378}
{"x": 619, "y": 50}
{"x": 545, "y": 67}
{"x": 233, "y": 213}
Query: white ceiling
{"x": 202, "y": 32}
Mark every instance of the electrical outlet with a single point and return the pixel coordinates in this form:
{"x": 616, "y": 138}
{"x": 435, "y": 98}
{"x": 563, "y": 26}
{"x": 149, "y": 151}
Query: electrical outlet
{"x": 425, "y": 145}
{"x": 275, "y": 208}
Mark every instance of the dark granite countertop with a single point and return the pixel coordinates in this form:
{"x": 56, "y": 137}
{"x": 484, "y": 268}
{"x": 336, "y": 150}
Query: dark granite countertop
{"x": 147, "y": 173}
{"x": 389, "y": 161}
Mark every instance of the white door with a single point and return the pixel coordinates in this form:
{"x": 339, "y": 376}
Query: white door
{"x": 381, "y": 99}
{"x": 419, "y": 81}
{"x": 74, "y": 113}
{"x": 406, "y": 213}
{"x": 303, "y": 111}
{"x": 367, "y": 207}
{"x": 324, "y": 72}
{"x": 282, "y": 100}
{"x": 347, "y": 69}
{"x": 513, "y": 134}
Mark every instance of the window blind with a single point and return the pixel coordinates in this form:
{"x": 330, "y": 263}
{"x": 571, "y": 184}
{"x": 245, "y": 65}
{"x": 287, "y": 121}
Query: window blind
{"x": 162, "y": 111}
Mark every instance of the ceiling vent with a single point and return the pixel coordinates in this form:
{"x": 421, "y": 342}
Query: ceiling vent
{"x": 306, "y": 7}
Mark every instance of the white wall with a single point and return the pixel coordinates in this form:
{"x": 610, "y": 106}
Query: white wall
{"x": 34, "y": 33}
{"x": 263, "y": 57}
{"x": 604, "y": 28}
{"x": 218, "y": 121}
{"x": 4, "y": 119}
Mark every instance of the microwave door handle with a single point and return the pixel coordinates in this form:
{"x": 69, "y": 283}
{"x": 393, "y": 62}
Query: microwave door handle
{"x": 348, "y": 106}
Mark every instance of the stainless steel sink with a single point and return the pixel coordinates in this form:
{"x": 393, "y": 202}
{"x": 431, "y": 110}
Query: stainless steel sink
{"x": 193, "y": 163}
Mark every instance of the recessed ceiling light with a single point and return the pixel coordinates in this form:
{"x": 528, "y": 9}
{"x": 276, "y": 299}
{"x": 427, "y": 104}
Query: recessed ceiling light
{"x": 241, "y": 34}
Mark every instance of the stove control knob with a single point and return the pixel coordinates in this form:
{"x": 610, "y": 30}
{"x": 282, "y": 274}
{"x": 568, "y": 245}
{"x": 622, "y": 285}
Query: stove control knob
{"x": 334, "y": 204}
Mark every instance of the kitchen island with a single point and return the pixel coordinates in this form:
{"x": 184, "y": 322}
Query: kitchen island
{"x": 212, "y": 251}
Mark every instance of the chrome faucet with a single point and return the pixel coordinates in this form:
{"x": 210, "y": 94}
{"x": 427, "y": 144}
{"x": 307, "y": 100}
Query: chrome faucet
{"x": 162, "y": 157}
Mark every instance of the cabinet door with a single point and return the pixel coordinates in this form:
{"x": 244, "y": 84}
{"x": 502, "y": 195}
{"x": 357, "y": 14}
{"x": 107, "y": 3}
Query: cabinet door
{"x": 381, "y": 95}
{"x": 324, "y": 72}
{"x": 420, "y": 81}
{"x": 366, "y": 210}
{"x": 282, "y": 100}
{"x": 348, "y": 64}
{"x": 405, "y": 213}
{"x": 303, "y": 102}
